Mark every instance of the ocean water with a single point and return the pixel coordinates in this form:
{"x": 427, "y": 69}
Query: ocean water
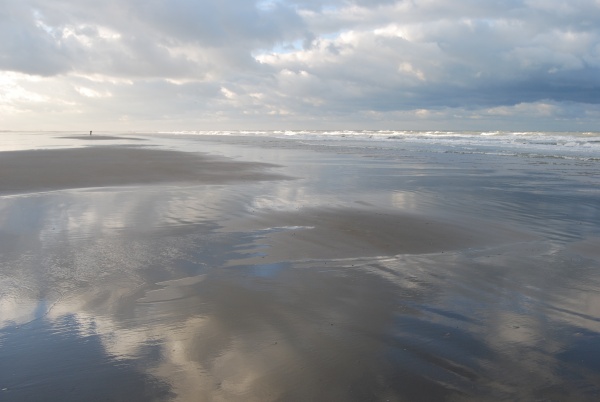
{"x": 577, "y": 145}
{"x": 584, "y": 146}
{"x": 177, "y": 292}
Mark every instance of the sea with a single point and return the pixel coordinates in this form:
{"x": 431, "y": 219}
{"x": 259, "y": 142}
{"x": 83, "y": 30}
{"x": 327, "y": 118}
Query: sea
{"x": 583, "y": 146}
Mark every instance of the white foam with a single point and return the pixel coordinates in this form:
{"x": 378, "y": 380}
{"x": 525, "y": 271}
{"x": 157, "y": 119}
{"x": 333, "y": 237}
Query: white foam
{"x": 577, "y": 145}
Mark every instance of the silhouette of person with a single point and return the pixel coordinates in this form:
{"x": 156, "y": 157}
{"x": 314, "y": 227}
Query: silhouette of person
{"x": 90, "y": 132}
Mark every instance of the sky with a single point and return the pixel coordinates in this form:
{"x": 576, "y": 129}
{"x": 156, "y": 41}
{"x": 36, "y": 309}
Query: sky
{"x": 163, "y": 65}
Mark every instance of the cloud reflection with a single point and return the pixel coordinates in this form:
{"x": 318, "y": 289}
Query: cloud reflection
{"x": 154, "y": 280}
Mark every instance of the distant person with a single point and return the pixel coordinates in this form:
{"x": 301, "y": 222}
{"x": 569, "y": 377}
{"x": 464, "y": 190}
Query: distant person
{"x": 90, "y": 132}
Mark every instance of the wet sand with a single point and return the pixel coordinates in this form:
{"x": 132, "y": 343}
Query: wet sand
{"x": 101, "y": 138}
{"x": 362, "y": 232}
{"x": 146, "y": 273}
{"x": 55, "y": 169}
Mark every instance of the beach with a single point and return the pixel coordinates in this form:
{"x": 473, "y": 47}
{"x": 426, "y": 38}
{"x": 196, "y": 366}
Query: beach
{"x": 299, "y": 266}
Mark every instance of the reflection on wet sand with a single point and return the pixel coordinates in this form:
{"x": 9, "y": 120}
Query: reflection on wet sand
{"x": 350, "y": 329}
{"x": 245, "y": 292}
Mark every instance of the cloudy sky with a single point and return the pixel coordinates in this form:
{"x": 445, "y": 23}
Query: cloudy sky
{"x": 293, "y": 64}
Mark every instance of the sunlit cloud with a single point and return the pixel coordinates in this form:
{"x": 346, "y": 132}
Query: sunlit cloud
{"x": 315, "y": 64}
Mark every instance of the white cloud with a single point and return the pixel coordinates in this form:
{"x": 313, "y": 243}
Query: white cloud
{"x": 321, "y": 61}
{"x": 90, "y": 93}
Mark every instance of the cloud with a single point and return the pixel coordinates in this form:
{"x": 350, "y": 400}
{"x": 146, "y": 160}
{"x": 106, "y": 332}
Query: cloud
{"x": 138, "y": 38}
{"x": 28, "y": 46}
{"x": 327, "y": 61}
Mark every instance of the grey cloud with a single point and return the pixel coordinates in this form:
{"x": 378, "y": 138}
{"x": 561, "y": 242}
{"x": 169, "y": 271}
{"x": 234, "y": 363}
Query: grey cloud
{"x": 153, "y": 37}
{"x": 28, "y": 47}
{"x": 476, "y": 55}
{"x": 224, "y": 23}
{"x": 232, "y": 59}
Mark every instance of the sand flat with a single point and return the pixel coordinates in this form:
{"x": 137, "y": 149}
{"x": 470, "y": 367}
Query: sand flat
{"x": 55, "y": 169}
{"x": 101, "y": 138}
{"x": 359, "y": 232}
